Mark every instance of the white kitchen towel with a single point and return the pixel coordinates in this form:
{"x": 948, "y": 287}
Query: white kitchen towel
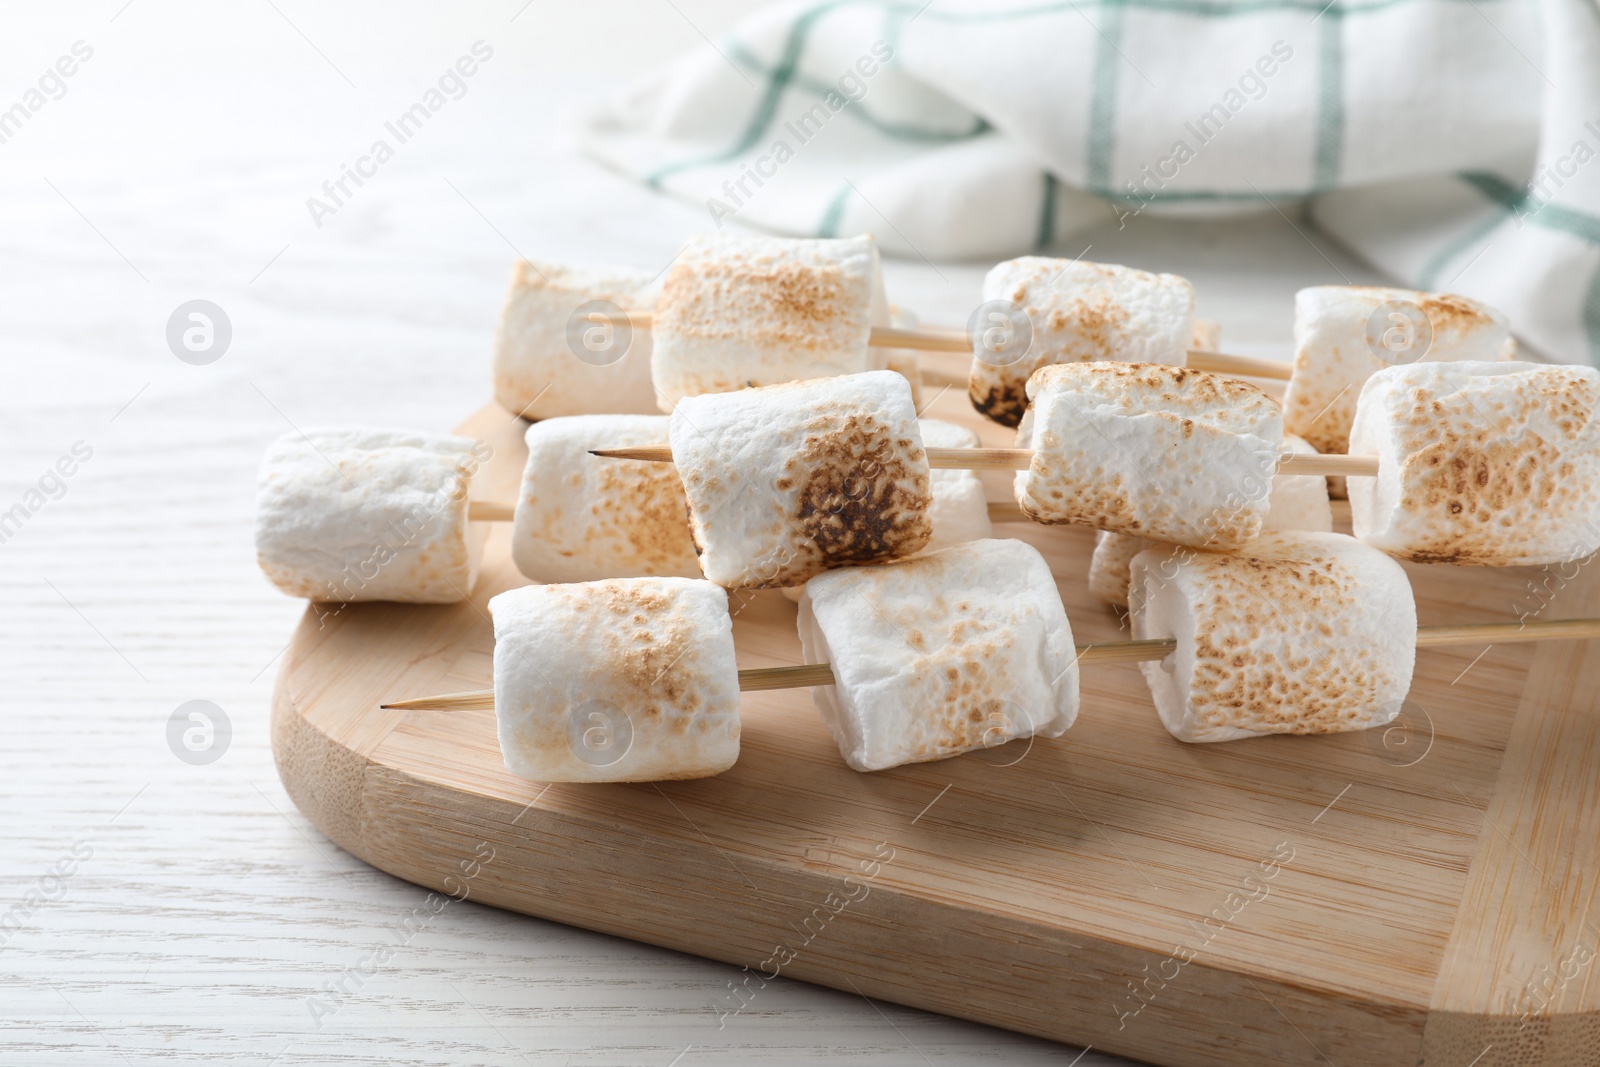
{"x": 1452, "y": 143}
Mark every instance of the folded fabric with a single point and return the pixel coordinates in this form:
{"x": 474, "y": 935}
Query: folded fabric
{"x": 1452, "y": 144}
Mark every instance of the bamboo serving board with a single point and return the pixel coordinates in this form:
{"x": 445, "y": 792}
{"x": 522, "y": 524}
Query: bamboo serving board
{"x": 1423, "y": 894}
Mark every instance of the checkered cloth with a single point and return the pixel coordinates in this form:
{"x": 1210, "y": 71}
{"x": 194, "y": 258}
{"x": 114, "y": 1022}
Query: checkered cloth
{"x": 1452, "y": 143}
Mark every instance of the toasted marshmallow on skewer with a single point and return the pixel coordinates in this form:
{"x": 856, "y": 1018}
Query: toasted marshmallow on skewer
{"x": 942, "y": 654}
{"x": 623, "y": 680}
{"x": 738, "y": 311}
{"x": 1298, "y": 633}
{"x": 1343, "y": 334}
{"x": 1207, "y": 335}
{"x": 1171, "y": 454}
{"x": 580, "y": 517}
{"x": 1490, "y": 463}
{"x": 789, "y": 480}
{"x": 1297, "y": 502}
{"x": 634, "y": 668}
{"x": 957, "y": 506}
{"x": 362, "y": 514}
{"x": 1076, "y": 312}
{"x": 547, "y": 363}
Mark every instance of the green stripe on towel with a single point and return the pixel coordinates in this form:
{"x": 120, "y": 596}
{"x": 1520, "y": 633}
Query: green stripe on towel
{"x": 1330, "y": 100}
{"x": 1103, "y": 97}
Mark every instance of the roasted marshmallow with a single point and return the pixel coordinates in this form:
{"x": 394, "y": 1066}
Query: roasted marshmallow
{"x": 624, "y": 680}
{"x": 361, "y": 514}
{"x": 582, "y": 517}
{"x": 548, "y": 363}
{"x": 1076, "y": 312}
{"x": 957, "y": 507}
{"x": 1343, "y": 334}
{"x": 1167, "y": 453}
{"x": 789, "y": 480}
{"x": 1493, "y": 463}
{"x": 1298, "y": 502}
{"x": 942, "y": 654}
{"x": 738, "y": 311}
{"x": 1299, "y": 633}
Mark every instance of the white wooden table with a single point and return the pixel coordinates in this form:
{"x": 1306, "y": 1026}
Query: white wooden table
{"x": 154, "y": 909}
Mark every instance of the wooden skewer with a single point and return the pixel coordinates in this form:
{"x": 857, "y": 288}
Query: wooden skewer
{"x": 1508, "y": 633}
{"x": 800, "y": 676}
{"x": 920, "y": 340}
{"x": 1018, "y": 459}
{"x": 958, "y": 341}
{"x": 1239, "y": 366}
{"x": 477, "y": 700}
{"x": 493, "y": 511}
{"x": 490, "y": 511}
{"x": 805, "y": 675}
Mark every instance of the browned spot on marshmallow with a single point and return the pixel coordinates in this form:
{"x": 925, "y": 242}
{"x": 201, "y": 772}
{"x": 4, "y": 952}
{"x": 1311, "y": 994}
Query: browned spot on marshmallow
{"x": 1085, "y": 319}
{"x": 649, "y": 642}
{"x": 805, "y": 299}
{"x": 1157, "y": 384}
{"x": 864, "y": 492}
{"x": 1085, "y": 478}
{"x": 1003, "y": 403}
{"x": 1476, "y": 478}
{"x": 1093, "y": 498}
{"x": 1097, "y": 319}
{"x": 643, "y": 505}
{"x": 1317, "y": 679}
{"x": 1454, "y": 314}
{"x": 965, "y": 651}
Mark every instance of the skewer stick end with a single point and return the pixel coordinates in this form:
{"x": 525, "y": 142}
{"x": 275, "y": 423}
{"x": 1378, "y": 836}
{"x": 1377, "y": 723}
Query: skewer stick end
{"x": 648, "y": 453}
{"x": 483, "y": 700}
